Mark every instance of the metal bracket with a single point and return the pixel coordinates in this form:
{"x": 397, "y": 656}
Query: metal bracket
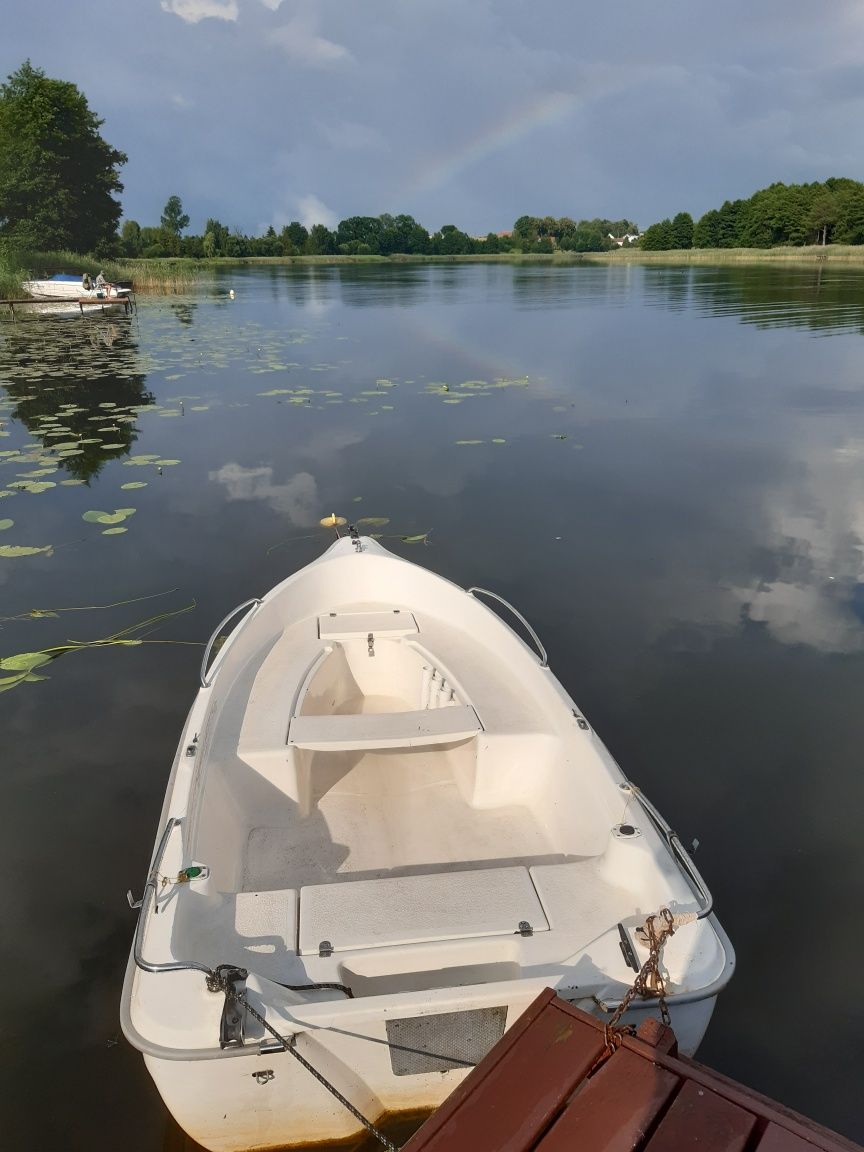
{"x": 232, "y": 1026}
{"x": 325, "y": 948}
{"x": 524, "y": 929}
{"x": 132, "y": 902}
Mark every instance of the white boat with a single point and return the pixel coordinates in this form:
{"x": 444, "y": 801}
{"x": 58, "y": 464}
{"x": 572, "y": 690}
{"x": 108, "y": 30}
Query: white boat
{"x": 64, "y": 286}
{"x": 390, "y": 817}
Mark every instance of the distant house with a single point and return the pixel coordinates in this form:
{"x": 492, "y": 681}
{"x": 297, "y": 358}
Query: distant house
{"x": 627, "y": 238}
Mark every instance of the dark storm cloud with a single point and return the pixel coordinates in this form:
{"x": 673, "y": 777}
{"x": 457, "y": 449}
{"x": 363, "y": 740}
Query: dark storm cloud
{"x": 259, "y": 111}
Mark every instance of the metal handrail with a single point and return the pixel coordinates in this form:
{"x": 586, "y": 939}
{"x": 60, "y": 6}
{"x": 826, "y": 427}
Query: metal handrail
{"x": 205, "y": 683}
{"x": 143, "y": 915}
{"x": 544, "y": 659}
{"x": 700, "y": 888}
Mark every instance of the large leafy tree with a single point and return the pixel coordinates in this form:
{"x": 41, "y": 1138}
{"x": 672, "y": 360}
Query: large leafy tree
{"x": 57, "y": 175}
{"x": 174, "y": 219}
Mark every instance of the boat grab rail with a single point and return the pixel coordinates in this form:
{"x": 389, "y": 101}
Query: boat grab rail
{"x": 544, "y": 659}
{"x": 205, "y": 682}
{"x": 673, "y": 841}
{"x": 144, "y": 914}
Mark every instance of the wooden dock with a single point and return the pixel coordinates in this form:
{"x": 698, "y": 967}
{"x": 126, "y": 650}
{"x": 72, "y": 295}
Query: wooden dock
{"x": 550, "y": 1085}
{"x": 30, "y": 306}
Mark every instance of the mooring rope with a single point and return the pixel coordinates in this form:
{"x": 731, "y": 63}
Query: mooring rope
{"x": 220, "y": 980}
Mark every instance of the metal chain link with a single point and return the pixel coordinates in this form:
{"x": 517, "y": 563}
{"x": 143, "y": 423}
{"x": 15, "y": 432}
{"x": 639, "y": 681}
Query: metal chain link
{"x": 219, "y": 981}
{"x": 649, "y": 983}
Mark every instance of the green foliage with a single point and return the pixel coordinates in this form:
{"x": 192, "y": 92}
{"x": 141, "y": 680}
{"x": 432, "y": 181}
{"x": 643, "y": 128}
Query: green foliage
{"x": 130, "y": 238}
{"x": 787, "y": 214}
{"x": 57, "y": 174}
{"x": 321, "y": 242}
{"x": 174, "y": 219}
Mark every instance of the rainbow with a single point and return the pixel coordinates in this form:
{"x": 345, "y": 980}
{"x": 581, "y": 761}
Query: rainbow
{"x": 551, "y": 108}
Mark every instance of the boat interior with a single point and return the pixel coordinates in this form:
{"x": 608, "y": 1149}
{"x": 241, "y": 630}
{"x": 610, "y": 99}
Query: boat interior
{"x": 363, "y": 811}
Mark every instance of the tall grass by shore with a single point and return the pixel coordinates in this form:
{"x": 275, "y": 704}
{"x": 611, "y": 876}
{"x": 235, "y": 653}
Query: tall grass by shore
{"x": 162, "y": 276}
{"x": 175, "y": 276}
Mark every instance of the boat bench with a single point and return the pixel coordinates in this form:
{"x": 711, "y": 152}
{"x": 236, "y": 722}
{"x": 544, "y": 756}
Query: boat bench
{"x": 418, "y": 909}
{"x": 339, "y": 733}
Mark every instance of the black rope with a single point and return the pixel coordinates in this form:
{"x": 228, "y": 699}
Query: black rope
{"x": 221, "y": 981}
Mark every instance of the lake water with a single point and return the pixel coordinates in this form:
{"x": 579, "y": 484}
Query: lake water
{"x": 662, "y": 467}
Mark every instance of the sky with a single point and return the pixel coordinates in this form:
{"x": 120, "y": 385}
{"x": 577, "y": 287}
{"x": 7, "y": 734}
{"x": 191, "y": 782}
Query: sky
{"x": 466, "y": 112}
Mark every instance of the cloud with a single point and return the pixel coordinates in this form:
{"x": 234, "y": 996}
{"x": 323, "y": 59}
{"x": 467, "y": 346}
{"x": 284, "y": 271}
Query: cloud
{"x": 193, "y": 11}
{"x": 300, "y": 42}
{"x": 297, "y": 498}
{"x": 311, "y": 211}
{"x": 273, "y": 5}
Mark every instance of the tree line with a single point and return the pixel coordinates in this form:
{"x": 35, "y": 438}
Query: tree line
{"x": 383, "y": 235}
{"x": 59, "y": 179}
{"x": 830, "y": 212}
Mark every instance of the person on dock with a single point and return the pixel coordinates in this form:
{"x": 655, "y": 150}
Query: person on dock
{"x": 86, "y": 282}
{"x": 101, "y": 282}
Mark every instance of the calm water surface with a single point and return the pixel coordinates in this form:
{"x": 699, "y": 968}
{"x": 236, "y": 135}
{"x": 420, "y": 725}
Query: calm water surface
{"x": 669, "y": 483}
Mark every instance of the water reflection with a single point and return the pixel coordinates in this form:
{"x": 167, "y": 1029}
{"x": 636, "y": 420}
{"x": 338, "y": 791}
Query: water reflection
{"x": 673, "y": 494}
{"x": 75, "y": 387}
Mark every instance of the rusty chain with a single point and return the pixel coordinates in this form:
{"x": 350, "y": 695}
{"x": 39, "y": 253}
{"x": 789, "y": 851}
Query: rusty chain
{"x": 649, "y": 982}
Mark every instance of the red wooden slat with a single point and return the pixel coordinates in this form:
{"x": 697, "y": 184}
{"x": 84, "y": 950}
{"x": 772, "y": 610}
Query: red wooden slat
{"x": 614, "y": 1109}
{"x": 778, "y": 1139}
{"x": 701, "y": 1120}
{"x": 526, "y": 1084}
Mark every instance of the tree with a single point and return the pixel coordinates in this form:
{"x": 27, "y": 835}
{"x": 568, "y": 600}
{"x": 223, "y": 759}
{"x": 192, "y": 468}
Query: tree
{"x": 174, "y": 219}
{"x": 321, "y": 242}
{"x": 130, "y": 235}
{"x": 682, "y": 230}
{"x": 57, "y": 174}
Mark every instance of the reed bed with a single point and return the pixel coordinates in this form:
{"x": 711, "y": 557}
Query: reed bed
{"x": 158, "y": 276}
{"x": 809, "y": 254}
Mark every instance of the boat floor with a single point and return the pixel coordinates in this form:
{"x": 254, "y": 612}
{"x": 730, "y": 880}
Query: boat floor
{"x": 378, "y": 817}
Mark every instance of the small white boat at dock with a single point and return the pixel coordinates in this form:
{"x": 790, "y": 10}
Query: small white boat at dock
{"x": 64, "y": 286}
{"x": 387, "y": 829}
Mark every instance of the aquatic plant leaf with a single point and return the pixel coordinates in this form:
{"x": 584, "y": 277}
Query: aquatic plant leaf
{"x": 111, "y": 447}
{"x": 165, "y": 463}
{"x": 11, "y": 551}
{"x": 25, "y": 661}
{"x": 114, "y": 531}
{"x": 277, "y": 392}
{"x": 37, "y": 472}
{"x": 4, "y": 524}
{"x": 73, "y": 483}
{"x": 421, "y": 539}
{"x": 498, "y": 440}
{"x": 469, "y": 442}
{"x": 34, "y": 486}
{"x": 374, "y": 521}
{"x": 115, "y": 517}
{"x": 134, "y": 484}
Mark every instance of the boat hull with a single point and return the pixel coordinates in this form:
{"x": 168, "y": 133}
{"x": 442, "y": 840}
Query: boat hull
{"x": 271, "y": 1101}
{"x": 71, "y": 290}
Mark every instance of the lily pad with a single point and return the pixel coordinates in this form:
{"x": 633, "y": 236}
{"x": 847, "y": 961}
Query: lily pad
{"x": 134, "y": 484}
{"x": 115, "y": 517}
{"x": 469, "y": 442}
{"x": 73, "y": 483}
{"x": 34, "y": 486}
{"x": 111, "y": 447}
{"x": 165, "y": 463}
{"x": 4, "y": 524}
{"x": 374, "y": 521}
{"x": 13, "y": 550}
{"x": 421, "y": 539}
{"x": 498, "y": 440}
{"x": 114, "y": 531}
